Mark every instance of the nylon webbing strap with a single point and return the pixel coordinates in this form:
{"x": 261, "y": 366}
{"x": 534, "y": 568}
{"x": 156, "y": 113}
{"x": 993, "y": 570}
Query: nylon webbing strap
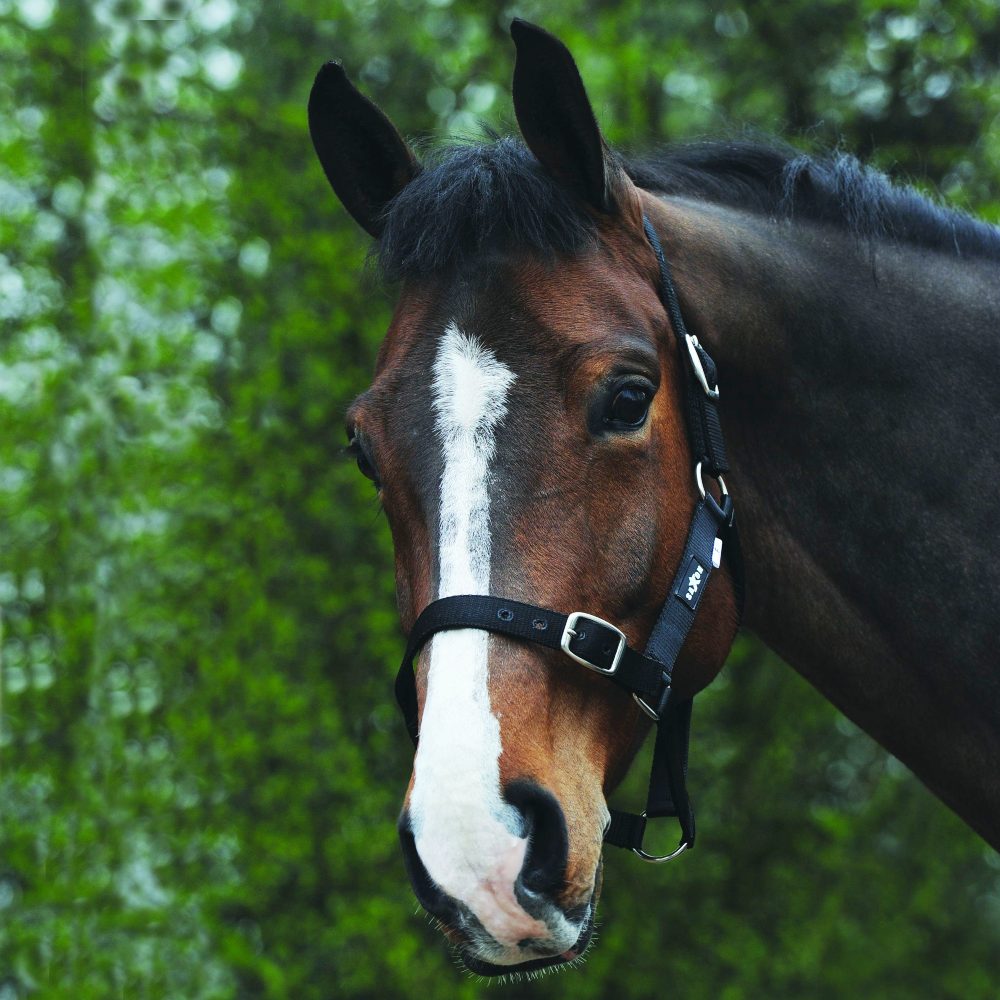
{"x": 593, "y": 641}
{"x": 668, "y": 795}
{"x": 699, "y": 559}
{"x": 702, "y": 413}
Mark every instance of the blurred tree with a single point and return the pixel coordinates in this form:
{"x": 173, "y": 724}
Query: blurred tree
{"x": 202, "y": 763}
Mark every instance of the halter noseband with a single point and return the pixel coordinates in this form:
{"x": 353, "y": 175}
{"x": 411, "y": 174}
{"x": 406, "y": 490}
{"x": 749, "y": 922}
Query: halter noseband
{"x": 600, "y": 646}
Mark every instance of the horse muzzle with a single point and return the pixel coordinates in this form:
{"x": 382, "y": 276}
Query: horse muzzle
{"x": 499, "y": 891}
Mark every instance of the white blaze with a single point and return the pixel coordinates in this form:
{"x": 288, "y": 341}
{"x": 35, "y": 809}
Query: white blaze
{"x": 461, "y": 824}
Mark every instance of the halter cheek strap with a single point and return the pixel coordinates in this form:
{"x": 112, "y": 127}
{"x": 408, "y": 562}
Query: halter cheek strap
{"x": 600, "y": 646}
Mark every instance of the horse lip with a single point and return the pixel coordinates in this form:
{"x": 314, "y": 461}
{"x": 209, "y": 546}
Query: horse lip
{"x": 482, "y": 968}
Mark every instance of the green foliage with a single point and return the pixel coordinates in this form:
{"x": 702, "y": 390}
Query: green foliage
{"x": 201, "y": 761}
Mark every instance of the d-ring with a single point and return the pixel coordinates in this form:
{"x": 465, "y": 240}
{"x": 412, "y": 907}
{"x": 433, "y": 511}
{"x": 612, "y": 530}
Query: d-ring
{"x": 652, "y": 858}
{"x": 701, "y": 482}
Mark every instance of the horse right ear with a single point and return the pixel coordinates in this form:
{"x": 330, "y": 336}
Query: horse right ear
{"x": 364, "y": 158}
{"x": 556, "y": 119}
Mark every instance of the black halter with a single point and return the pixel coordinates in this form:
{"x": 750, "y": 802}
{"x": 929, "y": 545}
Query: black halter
{"x": 599, "y": 645}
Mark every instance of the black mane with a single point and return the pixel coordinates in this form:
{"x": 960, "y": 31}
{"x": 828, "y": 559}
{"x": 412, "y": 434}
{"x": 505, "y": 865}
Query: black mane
{"x": 493, "y": 196}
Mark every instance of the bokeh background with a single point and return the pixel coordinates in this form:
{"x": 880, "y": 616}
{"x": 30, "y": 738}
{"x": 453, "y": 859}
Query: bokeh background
{"x": 201, "y": 760}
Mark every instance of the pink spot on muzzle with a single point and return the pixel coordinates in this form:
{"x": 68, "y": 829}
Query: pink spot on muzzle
{"x": 495, "y": 904}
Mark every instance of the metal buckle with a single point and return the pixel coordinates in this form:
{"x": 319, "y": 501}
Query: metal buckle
{"x": 570, "y": 632}
{"x": 652, "y": 858}
{"x": 699, "y": 368}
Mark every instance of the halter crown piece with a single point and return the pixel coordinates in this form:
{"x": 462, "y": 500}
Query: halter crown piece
{"x": 600, "y": 646}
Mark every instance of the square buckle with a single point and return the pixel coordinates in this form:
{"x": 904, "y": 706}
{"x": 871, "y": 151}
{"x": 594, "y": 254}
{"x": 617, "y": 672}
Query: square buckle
{"x": 571, "y": 631}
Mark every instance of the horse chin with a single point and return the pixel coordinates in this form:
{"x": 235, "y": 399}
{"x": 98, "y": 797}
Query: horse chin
{"x": 481, "y": 967}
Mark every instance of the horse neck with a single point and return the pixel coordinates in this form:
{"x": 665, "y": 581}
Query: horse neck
{"x": 859, "y": 404}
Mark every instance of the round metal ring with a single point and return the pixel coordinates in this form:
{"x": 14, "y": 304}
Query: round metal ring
{"x": 652, "y": 858}
{"x": 701, "y": 482}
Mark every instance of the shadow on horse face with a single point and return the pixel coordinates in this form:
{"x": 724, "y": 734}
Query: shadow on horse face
{"x": 525, "y": 431}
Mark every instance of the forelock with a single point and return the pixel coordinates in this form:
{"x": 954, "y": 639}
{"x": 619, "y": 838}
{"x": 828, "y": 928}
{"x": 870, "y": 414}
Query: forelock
{"x": 474, "y": 198}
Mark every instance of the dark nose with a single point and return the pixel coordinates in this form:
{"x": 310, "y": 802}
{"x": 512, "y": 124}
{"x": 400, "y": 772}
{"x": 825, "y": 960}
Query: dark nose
{"x": 544, "y": 870}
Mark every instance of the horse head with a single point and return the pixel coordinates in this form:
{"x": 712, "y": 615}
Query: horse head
{"x": 525, "y": 433}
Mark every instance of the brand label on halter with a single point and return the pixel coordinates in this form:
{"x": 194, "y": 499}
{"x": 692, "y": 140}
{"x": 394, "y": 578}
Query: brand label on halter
{"x": 692, "y": 583}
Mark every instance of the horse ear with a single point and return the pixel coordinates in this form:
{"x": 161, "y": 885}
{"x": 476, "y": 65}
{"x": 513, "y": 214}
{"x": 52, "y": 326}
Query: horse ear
{"x": 556, "y": 118}
{"x": 365, "y": 159}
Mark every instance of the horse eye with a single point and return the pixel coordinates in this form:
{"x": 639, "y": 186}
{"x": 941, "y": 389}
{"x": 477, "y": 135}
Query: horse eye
{"x": 629, "y": 406}
{"x": 366, "y": 468}
{"x": 365, "y": 465}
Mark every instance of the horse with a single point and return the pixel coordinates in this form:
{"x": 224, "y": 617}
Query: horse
{"x": 527, "y": 434}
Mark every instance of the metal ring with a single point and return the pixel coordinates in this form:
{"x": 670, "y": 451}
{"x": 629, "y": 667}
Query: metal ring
{"x": 645, "y": 708}
{"x": 701, "y": 482}
{"x": 652, "y": 858}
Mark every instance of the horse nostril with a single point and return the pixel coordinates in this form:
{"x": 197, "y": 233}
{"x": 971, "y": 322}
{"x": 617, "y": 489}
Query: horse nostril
{"x": 544, "y": 868}
{"x": 431, "y": 898}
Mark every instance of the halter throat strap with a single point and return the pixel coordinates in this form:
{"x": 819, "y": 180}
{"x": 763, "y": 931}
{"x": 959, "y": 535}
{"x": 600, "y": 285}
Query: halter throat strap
{"x": 600, "y": 646}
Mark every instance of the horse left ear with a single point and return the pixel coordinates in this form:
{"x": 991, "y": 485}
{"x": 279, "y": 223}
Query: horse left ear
{"x": 556, "y": 118}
